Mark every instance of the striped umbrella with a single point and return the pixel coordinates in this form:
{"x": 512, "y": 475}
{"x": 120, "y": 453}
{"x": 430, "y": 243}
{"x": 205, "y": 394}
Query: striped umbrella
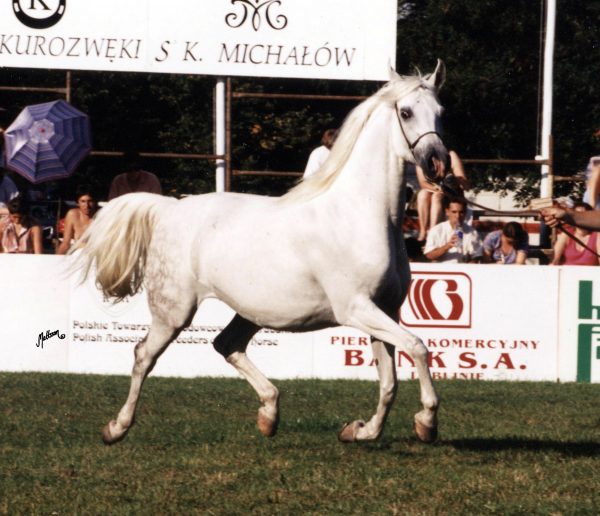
{"x": 47, "y": 141}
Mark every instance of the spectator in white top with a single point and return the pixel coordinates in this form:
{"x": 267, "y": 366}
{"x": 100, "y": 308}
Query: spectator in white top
{"x": 319, "y": 155}
{"x": 454, "y": 241}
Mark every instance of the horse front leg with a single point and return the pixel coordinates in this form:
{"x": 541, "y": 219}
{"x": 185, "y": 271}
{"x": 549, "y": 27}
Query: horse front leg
{"x": 232, "y": 343}
{"x": 359, "y": 430}
{"x": 364, "y": 315}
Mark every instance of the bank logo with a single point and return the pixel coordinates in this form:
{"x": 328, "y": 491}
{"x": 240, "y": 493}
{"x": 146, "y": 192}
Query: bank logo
{"x": 588, "y": 335}
{"x": 438, "y": 299}
{"x": 39, "y": 14}
{"x": 257, "y": 12}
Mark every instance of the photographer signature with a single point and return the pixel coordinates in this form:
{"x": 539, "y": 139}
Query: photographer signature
{"x": 48, "y": 335}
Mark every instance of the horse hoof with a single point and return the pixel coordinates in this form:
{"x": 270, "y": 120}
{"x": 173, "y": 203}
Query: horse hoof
{"x": 425, "y": 434}
{"x": 349, "y": 431}
{"x": 266, "y": 425}
{"x": 107, "y": 436}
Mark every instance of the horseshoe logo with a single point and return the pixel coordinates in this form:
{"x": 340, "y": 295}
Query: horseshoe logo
{"x": 39, "y": 23}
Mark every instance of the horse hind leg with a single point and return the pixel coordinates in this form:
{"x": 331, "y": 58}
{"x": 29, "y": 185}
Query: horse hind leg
{"x": 232, "y": 343}
{"x": 147, "y": 352}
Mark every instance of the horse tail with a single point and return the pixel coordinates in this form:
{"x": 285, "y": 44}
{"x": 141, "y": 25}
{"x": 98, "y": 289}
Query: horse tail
{"x": 117, "y": 242}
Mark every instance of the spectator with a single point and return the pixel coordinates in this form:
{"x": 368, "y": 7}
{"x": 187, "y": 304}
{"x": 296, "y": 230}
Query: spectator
{"x": 508, "y": 245}
{"x": 319, "y": 155}
{"x": 453, "y": 241}
{"x": 78, "y": 219}
{"x": 592, "y": 180}
{"x": 20, "y": 233}
{"x": 135, "y": 180}
{"x": 568, "y": 252}
{"x": 430, "y": 198}
{"x": 8, "y": 189}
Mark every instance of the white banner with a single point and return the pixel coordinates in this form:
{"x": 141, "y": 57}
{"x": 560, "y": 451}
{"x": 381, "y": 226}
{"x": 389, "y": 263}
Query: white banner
{"x": 479, "y": 322}
{"x": 34, "y": 304}
{"x": 333, "y": 39}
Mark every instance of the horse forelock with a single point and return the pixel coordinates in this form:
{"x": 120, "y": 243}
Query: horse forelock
{"x": 351, "y": 129}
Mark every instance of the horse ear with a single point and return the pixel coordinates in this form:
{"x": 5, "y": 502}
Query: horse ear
{"x": 392, "y": 73}
{"x": 437, "y": 78}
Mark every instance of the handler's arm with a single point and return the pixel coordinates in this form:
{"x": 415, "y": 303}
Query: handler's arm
{"x": 583, "y": 219}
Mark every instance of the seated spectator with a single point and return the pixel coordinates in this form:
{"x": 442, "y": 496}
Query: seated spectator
{"x": 592, "y": 182}
{"x": 78, "y": 219}
{"x": 568, "y": 252}
{"x": 20, "y": 233}
{"x": 430, "y": 198}
{"x": 509, "y": 245}
{"x": 453, "y": 241}
{"x": 135, "y": 179}
{"x": 319, "y": 155}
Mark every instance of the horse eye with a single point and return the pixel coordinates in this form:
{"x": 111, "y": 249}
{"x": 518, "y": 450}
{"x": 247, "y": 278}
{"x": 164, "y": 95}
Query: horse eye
{"x": 405, "y": 114}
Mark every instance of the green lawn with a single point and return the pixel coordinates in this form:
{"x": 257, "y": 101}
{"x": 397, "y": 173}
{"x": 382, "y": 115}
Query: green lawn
{"x": 506, "y": 448}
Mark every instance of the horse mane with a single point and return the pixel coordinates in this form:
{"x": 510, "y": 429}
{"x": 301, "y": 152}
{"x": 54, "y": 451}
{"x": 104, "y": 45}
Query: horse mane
{"x": 353, "y": 125}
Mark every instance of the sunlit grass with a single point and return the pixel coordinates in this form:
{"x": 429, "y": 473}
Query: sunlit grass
{"x": 503, "y": 448}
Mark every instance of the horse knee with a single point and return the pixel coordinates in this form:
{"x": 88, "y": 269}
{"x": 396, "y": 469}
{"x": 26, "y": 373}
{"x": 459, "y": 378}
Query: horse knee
{"x": 418, "y": 350}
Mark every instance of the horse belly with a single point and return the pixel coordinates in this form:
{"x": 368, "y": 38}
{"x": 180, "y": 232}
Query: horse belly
{"x": 267, "y": 285}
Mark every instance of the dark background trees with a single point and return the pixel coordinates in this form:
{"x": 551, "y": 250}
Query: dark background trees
{"x": 492, "y": 51}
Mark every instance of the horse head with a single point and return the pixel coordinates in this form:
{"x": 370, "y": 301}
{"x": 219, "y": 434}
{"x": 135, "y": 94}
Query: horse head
{"x": 419, "y": 120}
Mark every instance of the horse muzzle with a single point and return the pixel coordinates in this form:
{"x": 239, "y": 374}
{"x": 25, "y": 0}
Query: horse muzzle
{"x": 435, "y": 163}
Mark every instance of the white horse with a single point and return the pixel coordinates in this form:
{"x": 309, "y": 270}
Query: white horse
{"x": 330, "y": 252}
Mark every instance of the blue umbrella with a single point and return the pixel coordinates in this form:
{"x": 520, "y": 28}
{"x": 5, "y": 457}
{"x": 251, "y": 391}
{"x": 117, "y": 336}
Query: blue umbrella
{"x": 47, "y": 141}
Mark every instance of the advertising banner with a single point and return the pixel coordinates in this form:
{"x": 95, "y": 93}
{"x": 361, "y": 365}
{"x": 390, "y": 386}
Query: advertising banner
{"x": 479, "y": 322}
{"x": 579, "y": 325}
{"x": 337, "y": 39}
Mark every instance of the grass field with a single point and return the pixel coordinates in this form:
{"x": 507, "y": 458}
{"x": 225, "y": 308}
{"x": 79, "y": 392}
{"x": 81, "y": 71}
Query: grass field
{"x": 505, "y": 448}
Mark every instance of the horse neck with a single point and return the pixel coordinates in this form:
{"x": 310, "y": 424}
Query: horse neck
{"x": 373, "y": 178}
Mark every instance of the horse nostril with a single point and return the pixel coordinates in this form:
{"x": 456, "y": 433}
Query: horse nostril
{"x": 431, "y": 166}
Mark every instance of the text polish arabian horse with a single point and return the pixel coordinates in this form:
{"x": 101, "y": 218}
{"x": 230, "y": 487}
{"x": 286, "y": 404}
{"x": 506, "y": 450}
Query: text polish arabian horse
{"x": 330, "y": 252}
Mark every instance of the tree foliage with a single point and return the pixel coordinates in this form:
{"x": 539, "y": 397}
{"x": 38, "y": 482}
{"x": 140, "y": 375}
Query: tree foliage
{"x": 493, "y": 53}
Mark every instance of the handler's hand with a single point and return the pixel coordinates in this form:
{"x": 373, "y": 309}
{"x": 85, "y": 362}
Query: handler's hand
{"x": 553, "y": 216}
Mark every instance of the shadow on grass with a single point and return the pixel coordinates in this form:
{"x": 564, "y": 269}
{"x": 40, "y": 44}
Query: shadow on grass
{"x": 571, "y": 449}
